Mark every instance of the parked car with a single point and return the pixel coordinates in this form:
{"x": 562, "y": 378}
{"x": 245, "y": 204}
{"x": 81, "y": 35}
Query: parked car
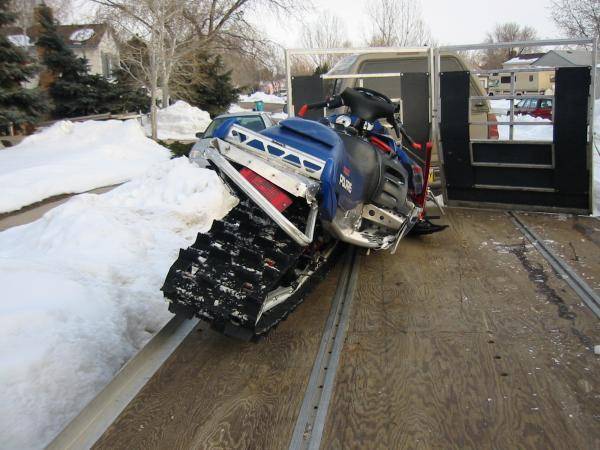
{"x": 535, "y": 107}
{"x": 254, "y": 120}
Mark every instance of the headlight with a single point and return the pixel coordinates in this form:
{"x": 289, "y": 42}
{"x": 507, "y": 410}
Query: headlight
{"x": 195, "y": 154}
{"x": 197, "y": 157}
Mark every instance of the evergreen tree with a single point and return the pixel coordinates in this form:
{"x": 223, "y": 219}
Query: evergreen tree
{"x": 18, "y": 105}
{"x": 73, "y": 90}
{"x": 127, "y": 95}
{"x": 210, "y": 87}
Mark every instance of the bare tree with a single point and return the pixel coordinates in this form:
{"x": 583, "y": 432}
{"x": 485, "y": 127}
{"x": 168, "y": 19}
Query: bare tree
{"x": 327, "y": 31}
{"x": 397, "y": 23}
{"x": 301, "y": 65}
{"x": 507, "y": 32}
{"x": 23, "y": 9}
{"x": 71, "y": 11}
{"x": 65, "y": 11}
{"x": 160, "y": 25}
{"x": 577, "y": 18}
{"x": 473, "y": 58}
{"x": 172, "y": 31}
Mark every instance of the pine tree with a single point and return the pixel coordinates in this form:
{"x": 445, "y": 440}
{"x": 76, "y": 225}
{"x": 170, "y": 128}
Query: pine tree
{"x": 18, "y": 105}
{"x": 210, "y": 87}
{"x": 73, "y": 90}
{"x": 127, "y": 95}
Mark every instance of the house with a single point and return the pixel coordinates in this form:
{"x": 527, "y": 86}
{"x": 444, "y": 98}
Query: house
{"x": 94, "y": 42}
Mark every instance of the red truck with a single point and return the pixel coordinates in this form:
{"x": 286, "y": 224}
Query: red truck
{"x": 535, "y": 107}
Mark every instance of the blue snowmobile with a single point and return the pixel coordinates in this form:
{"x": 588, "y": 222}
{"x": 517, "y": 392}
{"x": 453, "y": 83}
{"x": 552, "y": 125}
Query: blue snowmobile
{"x": 304, "y": 186}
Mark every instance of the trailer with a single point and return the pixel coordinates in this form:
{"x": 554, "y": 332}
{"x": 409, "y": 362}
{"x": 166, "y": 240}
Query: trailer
{"x": 529, "y": 81}
{"x": 483, "y": 336}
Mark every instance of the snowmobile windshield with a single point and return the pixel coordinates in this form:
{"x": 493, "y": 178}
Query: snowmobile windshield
{"x": 342, "y": 67}
{"x": 254, "y": 123}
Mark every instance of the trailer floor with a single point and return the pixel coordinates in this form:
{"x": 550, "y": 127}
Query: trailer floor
{"x": 463, "y": 339}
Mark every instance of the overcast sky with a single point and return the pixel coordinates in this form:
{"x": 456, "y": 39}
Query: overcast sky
{"x": 451, "y": 22}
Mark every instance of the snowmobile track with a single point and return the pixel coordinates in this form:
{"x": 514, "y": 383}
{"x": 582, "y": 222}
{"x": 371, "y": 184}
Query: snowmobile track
{"x": 225, "y": 276}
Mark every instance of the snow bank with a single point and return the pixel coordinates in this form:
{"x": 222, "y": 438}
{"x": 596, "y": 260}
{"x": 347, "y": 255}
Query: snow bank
{"x": 525, "y": 132}
{"x": 500, "y": 106}
{"x": 81, "y": 291}
{"x": 261, "y": 96}
{"x": 180, "y": 121}
{"x": 235, "y": 108}
{"x": 74, "y": 157}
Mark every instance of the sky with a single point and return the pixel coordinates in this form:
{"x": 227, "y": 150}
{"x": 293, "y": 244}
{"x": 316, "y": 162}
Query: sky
{"x": 451, "y": 22}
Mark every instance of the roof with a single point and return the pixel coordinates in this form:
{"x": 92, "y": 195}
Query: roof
{"x": 74, "y": 35}
{"x": 574, "y": 57}
{"x": 525, "y": 58}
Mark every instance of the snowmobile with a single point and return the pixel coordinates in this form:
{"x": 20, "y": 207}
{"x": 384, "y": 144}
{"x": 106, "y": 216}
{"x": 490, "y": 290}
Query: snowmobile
{"x": 304, "y": 187}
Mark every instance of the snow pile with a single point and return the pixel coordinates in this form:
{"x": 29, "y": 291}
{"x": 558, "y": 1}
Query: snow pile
{"x": 525, "y": 132}
{"x": 261, "y": 96}
{"x": 74, "y": 157}
{"x": 235, "y": 108}
{"x": 180, "y": 121}
{"x": 500, "y": 106}
{"x": 81, "y": 291}
{"x": 82, "y": 35}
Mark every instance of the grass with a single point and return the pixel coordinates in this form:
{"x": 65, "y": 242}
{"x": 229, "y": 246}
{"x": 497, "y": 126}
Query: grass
{"x": 177, "y": 148}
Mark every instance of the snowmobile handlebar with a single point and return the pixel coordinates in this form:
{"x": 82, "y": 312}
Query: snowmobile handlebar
{"x": 331, "y": 102}
{"x": 355, "y": 97}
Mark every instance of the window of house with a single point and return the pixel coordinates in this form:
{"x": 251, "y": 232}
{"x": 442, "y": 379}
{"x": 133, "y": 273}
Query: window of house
{"x": 107, "y": 64}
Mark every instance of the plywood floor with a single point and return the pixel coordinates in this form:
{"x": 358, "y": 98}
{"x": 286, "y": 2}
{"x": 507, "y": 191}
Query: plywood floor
{"x": 466, "y": 339}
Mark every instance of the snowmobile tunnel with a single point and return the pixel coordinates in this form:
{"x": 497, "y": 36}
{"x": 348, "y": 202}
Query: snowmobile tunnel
{"x": 547, "y": 171}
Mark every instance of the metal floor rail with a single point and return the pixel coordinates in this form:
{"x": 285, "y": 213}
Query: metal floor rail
{"x": 566, "y": 272}
{"x": 308, "y": 431}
